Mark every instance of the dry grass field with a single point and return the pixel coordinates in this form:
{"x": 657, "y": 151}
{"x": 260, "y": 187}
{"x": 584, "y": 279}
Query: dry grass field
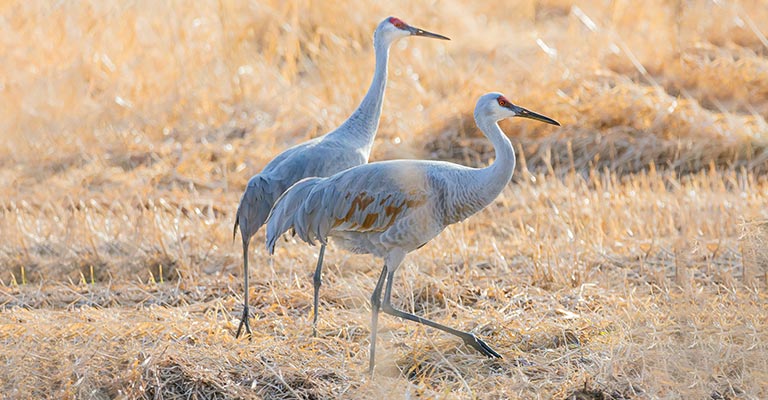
{"x": 628, "y": 258}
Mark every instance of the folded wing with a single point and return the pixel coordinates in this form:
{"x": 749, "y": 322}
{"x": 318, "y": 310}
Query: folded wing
{"x": 361, "y": 199}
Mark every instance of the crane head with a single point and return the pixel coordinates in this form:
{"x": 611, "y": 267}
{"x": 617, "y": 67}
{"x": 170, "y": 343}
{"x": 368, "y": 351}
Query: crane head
{"x": 393, "y": 28}
{"x": 497, "y": 106}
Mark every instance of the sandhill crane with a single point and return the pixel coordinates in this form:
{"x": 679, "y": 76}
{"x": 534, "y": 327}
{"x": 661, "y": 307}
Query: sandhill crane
{"x": 392, "y": 208}
{"x": 347, "y": 146}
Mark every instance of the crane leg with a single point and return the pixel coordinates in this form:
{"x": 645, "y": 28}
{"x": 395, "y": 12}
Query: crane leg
{"x": 375, "y": 305}
{"x": 469, "y": 338}
{"x": 246, "y": 312}
{"x": 317, "y": 280}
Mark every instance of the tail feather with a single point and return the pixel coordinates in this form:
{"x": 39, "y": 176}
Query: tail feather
{"x": 254, "y": 207}
{"x": 290, "y": 212}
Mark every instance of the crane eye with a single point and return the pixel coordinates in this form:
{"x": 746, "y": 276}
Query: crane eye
{"x": 503, "y": 102}
{"x": 397, "y": 23}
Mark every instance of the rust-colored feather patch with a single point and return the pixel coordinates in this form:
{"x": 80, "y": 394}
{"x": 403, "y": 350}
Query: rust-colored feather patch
{"x": 369, "y": 220}
{"x": 360, "y": 216}
{"x": 360, "y": 202}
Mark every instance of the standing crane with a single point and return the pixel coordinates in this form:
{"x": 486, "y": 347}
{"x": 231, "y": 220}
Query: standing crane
{"x": 347, "y": 146}
{"x": 391, "y": 208}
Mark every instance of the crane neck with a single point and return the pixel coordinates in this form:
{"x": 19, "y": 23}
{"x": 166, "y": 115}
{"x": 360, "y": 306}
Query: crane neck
{"x": 360, "y": 128}
{"x": 494, "y": 178}
{"x": 476, "y": 188}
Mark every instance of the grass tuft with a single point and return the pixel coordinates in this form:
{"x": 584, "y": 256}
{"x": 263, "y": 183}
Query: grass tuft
{"x": 627, "y": 259}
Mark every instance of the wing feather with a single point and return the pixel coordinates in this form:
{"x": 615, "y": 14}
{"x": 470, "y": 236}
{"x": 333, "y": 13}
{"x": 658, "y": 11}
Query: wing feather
{"x": 368, "y": 203}
{"x": 287, "y": 213}
{"x": 366, "y": 199}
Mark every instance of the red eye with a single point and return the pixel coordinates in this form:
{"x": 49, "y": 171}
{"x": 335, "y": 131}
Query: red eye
{"x": 397, "y": 22}
{"x": 502, "y": 101}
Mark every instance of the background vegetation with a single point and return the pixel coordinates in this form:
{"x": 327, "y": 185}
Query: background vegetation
{"x": 627, "y": 260}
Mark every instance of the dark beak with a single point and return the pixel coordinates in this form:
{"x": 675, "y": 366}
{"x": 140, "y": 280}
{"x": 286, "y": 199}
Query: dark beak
{"x": 421, "y": 32}
{"x": 522, "y": 112}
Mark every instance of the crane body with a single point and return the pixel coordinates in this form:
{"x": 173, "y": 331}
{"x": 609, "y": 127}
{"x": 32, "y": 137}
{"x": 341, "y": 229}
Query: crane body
{"x": 391, "y": 208}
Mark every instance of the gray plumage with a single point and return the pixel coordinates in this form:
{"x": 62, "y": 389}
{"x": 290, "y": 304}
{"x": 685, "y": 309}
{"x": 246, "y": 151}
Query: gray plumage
{"x": 347, "y": 146}
{"x": 289, "y": 167}
{"x": 391, "y": 208}
{"x": 376, "y": 207}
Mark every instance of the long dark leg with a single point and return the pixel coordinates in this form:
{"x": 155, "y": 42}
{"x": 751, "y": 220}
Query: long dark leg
{"x": 317, "y": 281}
{"x": 375, "y": 305}
{"x": 246, "y": 315}
{"x": 469, "y": 338}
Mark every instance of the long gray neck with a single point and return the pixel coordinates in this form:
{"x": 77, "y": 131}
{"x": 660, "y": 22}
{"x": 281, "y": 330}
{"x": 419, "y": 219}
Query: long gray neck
{"x": 474, "y": 189}
{"x": 494, "y": 178}
{"x": 360, "y": 128}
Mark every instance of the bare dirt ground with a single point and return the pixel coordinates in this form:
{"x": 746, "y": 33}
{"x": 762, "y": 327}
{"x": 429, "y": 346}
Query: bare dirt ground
{"x": 626, "y": 260}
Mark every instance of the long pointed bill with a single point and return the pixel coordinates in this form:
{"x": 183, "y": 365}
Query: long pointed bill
{"x": 421, "y": 32}
{"x": 522, "y": 112}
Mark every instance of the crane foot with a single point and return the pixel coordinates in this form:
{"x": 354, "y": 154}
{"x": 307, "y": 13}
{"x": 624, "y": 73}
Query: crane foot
{"x": 244, "y": 323}
{"x": 479, "y": 345}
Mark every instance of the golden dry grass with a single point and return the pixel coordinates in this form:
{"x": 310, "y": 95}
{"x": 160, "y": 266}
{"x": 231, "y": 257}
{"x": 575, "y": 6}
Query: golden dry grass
{"x": 627, "y": 260}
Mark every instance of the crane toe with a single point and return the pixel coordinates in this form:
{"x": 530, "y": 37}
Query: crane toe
{"x": 244, "y": 323}
{"x": 481, "y": 346}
